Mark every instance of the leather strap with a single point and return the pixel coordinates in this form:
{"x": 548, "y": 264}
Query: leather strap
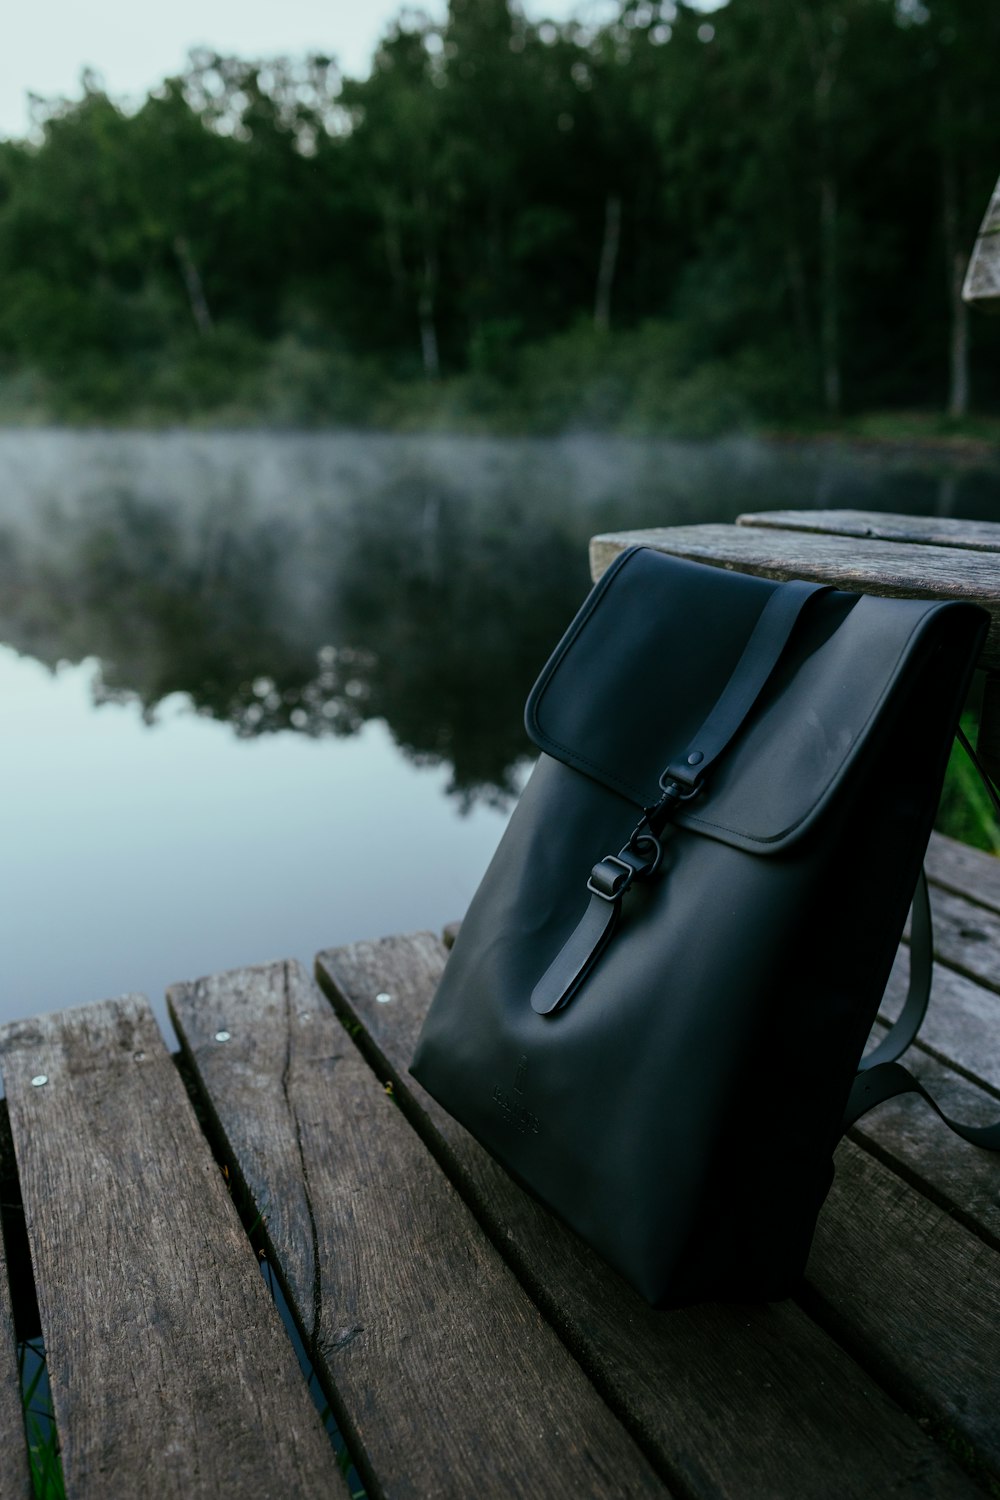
{"x": 577, "y": 956}
{"x": 908, "y": 1022}
{"x": 767, "y": 641}
{"x": 592, "y": 933}
{"x": 880, "y": 1076}
{"x": 875, "y": 1085}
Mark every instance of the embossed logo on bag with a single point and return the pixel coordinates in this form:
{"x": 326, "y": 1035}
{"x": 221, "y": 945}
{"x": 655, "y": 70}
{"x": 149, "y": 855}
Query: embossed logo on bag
{"x": 512, "y": 1105}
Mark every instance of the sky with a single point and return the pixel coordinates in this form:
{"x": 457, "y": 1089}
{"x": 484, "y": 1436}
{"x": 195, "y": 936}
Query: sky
{"x": 45, "y": 44}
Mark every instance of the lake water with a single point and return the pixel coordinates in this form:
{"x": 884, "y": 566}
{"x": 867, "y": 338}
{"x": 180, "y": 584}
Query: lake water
{"x": 261, "y": 694}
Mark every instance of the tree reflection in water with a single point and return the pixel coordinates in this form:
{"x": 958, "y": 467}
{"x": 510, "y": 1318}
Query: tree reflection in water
{"x": 424, "y": 586}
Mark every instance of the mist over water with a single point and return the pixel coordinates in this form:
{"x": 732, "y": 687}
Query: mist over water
{"x": 262, "y": 693}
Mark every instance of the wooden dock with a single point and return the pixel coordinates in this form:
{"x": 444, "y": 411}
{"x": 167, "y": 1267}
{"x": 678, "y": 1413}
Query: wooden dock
{"x": 468, "y": 1344}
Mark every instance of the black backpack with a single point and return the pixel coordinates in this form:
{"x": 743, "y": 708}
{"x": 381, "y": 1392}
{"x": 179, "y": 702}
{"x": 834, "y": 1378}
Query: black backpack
{"x": 655, "y": 1010}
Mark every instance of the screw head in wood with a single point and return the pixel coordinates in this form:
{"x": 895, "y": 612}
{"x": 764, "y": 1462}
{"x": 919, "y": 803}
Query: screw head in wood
{"x": 383, "y": 998}
{"x": 39, "y": 1080}
{"x": 222, "y": 1036}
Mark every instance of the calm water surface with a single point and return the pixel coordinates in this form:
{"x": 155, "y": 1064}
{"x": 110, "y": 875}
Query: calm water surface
{"x": 262, "y": 694}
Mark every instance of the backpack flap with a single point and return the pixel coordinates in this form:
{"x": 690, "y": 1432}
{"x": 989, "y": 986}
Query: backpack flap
{"x": 648, "y": 656}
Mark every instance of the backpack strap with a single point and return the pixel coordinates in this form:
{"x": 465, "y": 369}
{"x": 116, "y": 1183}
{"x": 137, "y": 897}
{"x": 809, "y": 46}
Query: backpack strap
{"x": 880, "y": 1076}
{"x": 874, "y": 1085}
{"x": 613, "y": 875}
{"x": 918, "y": 992}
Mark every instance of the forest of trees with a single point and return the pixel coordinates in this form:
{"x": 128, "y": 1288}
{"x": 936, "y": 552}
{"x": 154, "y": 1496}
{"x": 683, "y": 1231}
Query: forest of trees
{"x": 682, "y": 221}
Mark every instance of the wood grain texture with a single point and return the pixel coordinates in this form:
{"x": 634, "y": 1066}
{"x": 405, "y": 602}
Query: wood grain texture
{"x": 933, "y": 531}
{"x": 853, "y": 563}
{"x": 916, "y": 1293}
{"x": 741, "y": 1402}
{"x": 15, "y": 1474}
{"x": 967, "y": 938}
{"x": 907, "y": 1135}
{"x": 444, "y": 1376}
{"x": 962, "y": 1025}
{"x": 957, "y": 1057}
{"x": 982, "y": 279}
{"x": 964, "y": 871}
{"x": 171, "y": 1373}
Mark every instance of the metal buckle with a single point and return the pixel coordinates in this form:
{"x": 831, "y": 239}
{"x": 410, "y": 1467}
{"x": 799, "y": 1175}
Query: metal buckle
{"x": 633, "y": 864}
{"x": 619, "y": 884}
{"x": 651, "y": 864}
{"x": 671, "y": 788}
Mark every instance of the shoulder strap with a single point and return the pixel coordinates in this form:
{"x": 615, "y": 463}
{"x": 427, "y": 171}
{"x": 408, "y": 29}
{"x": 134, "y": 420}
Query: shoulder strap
{"x": 908, "y": 1022}
{"x": 880, "y": 1076}
{"x": 875, "y": 1085}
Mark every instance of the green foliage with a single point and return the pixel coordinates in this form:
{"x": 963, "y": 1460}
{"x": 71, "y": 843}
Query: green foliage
{"x": 675, "y": 222}
{"x": 639, "y": 381}
{"x": 39, "y": 1424}
{"x": 965, "y": 810}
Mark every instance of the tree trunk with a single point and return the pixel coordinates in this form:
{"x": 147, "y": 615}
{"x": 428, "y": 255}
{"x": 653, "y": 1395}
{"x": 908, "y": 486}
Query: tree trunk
{"x": 796, "y": 279}
{"x": 956, "y": 264}
{"x": 958, "y": 392}
{"x": 193, "y": 285}
{"x": 428, "y": 335}
{"x": 428, "y": 292}
{"x": 825, "y": 47}
{"x": 394, "y": 254}
{"x": 608, "y": 262}
{"x": 947, "y": 494}
{"x": 830, "y": 328}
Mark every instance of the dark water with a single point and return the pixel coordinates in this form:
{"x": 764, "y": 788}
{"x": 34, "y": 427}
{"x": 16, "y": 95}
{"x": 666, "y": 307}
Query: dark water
{"x": 262, "y": 694}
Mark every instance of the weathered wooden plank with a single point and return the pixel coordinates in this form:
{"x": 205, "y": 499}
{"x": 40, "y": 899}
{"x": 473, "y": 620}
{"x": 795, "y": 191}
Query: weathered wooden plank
{"x": 982, "y": 279}
{"x": 738, "y": 1401}
{"x": 853, "y": 563}
{"x": 445, "y": 1378}
{"x": 957, "y": 1057}
{"x": 171, "y": 1373}
{"x": 931, "y": 531}
{"x": 907, "y": 1135}
{"x": 962, "y": 1025}
{"x": 15, "y": 1474}
{"x": 964, "y": 871}
{"x": 916, "y": 1293}
{"x": 967, "y": 937}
